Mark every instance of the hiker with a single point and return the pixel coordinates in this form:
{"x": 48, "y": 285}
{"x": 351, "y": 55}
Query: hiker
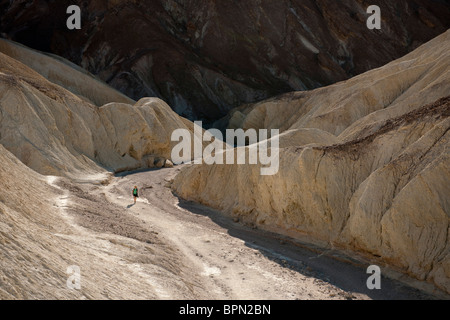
{"x": 135, "y": 193}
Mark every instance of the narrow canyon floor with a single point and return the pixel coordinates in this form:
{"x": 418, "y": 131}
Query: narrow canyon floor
{"x": 175, "y": 249}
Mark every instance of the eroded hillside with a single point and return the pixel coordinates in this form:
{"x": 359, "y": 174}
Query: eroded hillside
{"x": 379, "y": 187}
{"x": 54, "y": 131}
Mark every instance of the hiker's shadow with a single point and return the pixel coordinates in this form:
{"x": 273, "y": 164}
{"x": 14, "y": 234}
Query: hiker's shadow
{"x": 130, "y": 205}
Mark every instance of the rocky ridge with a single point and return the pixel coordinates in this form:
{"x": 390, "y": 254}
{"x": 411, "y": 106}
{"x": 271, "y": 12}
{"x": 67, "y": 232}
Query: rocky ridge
{"x": 380, "y": 187}
{"x": 55, "y": 132}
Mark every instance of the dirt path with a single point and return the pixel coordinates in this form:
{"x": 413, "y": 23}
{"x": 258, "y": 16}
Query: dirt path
{"x": 226, "y": 260}
{"x": 168, "y": 248}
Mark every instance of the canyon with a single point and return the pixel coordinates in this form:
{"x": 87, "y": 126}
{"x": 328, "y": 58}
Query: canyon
{"x": 362, "y": 150}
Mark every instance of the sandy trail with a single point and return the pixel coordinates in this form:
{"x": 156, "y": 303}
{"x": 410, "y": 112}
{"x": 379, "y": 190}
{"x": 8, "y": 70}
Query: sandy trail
{"x": 173, "y": 249}
{"x": 218, "y": 258}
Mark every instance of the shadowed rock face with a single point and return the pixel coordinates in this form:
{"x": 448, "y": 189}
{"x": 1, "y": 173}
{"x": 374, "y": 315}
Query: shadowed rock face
{"x": 206, "y": 57}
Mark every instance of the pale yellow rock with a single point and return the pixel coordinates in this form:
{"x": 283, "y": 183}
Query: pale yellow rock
{"x": 159, "y": 162}
{"x": 168, "y": 164}
{"x": 55, "y": 132}
{"x": 48, "y": 130}
{"x": 41, "y": 238}
{"x": 364, "y": 165}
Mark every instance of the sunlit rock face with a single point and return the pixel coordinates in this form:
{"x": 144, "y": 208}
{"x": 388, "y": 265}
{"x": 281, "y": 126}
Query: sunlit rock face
{"x": 55, "y": 129}
{"x": 363, "y": 165}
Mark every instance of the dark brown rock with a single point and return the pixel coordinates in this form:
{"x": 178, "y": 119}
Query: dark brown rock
{"x": 206, "y": 57}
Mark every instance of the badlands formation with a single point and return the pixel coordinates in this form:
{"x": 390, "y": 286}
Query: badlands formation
{"x": 51, "y": 135}
{"x": 364, "y": 166}
{"x": 52, "y": 126}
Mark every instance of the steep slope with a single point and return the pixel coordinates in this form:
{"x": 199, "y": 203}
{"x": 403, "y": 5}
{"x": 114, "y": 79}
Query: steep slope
{"x": 65, "y": 74}
{"x": 55, "y": 132}
{"x": 49, "y": 223}
{"x": 379, "y": 187}
{"x": 205, "y": 57}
